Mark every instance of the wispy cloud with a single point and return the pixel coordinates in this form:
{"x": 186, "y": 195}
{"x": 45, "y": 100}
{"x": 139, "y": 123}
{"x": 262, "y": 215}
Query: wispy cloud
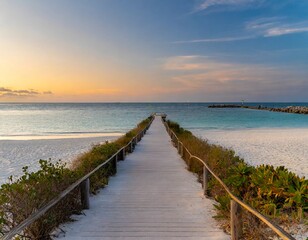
{"x": 217, "y": 40}
{"x": 263, "y": 23}
{"x": 21, "y": 93}
{"x": 206, "y": 4}
{"x": 185, "y": 63}
{"x": 278, "y": 31}
{"x": 276, "y": 26}
{"x": 261, "y": 27}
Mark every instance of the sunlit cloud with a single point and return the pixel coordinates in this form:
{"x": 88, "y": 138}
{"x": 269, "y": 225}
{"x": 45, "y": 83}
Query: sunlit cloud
{"x": 184, "y": 63}
{"x": 21, "y": 93}
{"x": 193, "y": 63}
{"x": 203, "y": 74}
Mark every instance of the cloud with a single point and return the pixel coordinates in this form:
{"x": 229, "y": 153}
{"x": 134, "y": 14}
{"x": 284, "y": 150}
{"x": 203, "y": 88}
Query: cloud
{"x": 26, "y": 92}
{"x": 263, "y": 23}
{"x": 276, "y": 26}
{"x": 261, "y": 27}
{"x": 205, "y": 76}
{"x": 2, "y": 89}
{"x": 185, "y": 63}
{"x": 47, "y": 93}
{"x": 278, "y": 31}
{"x": 217, "y": 40}
{"x": 205, "y": 68}
{"x": 7, "y": 92}
{"x": 206, "y": 4}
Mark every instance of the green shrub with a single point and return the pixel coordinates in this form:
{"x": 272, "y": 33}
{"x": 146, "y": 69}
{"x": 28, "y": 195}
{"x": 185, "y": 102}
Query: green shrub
{"x": 20, "y": 198}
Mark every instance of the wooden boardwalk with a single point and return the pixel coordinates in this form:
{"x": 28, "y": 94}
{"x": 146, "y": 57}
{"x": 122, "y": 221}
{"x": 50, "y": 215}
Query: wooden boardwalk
{"x": 152, "y": 196}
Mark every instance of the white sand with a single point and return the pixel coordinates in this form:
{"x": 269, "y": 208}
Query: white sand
{"x": 15, "y": 154}
{"x": 278, "y": 147}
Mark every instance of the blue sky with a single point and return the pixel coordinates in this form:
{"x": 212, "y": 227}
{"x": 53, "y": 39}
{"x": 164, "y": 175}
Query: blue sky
{"x": 154, "y": 50}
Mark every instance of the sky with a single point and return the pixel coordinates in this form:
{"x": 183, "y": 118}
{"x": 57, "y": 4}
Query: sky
{"x": 153, "y": 50}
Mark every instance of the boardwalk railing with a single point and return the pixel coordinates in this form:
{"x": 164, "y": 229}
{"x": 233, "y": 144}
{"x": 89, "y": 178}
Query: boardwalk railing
{"x": 83, "y": 183}
{"x": 236, "y": 204}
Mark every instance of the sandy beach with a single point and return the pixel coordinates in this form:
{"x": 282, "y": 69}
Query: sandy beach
{"x": 286, "y": 147}
{"x": 15, "y": 154}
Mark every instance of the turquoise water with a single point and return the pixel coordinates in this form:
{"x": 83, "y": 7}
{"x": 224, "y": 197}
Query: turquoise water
{"x": 79, "y": 118}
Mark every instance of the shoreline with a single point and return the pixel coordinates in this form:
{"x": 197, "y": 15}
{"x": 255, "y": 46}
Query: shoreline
{"x": 58, "y": 136}
{"x": 15, "y": 154}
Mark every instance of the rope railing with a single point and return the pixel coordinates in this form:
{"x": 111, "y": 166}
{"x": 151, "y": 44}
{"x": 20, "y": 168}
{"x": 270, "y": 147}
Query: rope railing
{"x": 236, "y": 204}
{"x": 83, "y": 183}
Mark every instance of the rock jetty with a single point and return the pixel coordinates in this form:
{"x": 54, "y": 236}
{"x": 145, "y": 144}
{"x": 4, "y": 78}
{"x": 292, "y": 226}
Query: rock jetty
{"x": 289, "y": 109}
{"x": 292, "y": 109}
{"x": 225, "y": 106}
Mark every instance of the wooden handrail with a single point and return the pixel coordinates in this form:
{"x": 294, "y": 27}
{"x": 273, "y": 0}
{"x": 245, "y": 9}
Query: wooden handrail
{"x": 277, "y": 229}
{"x": 36, "y": 215}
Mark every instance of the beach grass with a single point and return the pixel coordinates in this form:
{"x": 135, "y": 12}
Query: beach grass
{"x": 21, "y": 197}
{"x": 274, "y": 191}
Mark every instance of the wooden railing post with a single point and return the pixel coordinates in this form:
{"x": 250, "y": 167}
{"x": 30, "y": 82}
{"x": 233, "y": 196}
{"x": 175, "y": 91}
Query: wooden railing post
{"x": 205, "y": 181}
{"x": 189, "y": 163}
{"x": 85, "y": 193}
{"x": 182, "y": 150}
{"x": 121, "y": 155}
{"x": 115, "y": 164}
{"x": 131, "y": 147}
{"x": 236, "y": 221}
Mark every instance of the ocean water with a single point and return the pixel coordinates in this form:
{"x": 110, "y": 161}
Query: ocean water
{"x": 58, "y": 119}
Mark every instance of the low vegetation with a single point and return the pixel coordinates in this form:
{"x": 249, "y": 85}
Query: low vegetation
{"x": 22, "y": 197}
{"x": 274, "y": 191}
